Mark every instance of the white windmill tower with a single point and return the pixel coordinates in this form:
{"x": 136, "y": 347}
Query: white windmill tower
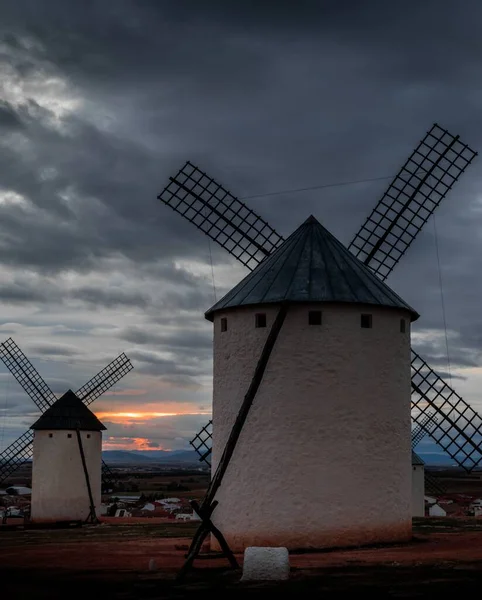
{"x": 324, "y": 458}
{"x": 67, "y": 462}
{"x": 422, "y": 183}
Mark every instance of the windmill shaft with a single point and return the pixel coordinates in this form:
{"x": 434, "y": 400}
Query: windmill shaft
{"x": 259, "y": 246}
{"x": 376, "y": 247}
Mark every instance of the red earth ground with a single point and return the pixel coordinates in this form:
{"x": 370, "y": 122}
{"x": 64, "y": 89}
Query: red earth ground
{"x": 111, "y": 561}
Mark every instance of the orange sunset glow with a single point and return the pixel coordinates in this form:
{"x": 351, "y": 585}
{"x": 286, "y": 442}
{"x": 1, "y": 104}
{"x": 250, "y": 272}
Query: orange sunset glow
{"x": 128, "y": 443}
{"x": 121, "y": 417}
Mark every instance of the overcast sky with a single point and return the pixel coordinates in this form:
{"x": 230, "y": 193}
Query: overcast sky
{"x": 101, "y": 101}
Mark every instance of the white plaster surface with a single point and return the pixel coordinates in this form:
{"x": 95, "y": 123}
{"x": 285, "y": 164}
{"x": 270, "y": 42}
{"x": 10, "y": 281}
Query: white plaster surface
{"x": 59, "y": 489}
{"x": 418, "y": 491}
{"x": 324, "y": 458}
{"x": 266, "y": 564}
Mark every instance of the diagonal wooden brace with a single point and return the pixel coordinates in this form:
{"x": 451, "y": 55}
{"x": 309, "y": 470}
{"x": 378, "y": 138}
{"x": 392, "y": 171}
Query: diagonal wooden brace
{"x": 205, "y": 514}
{"x": 208, "y": 504}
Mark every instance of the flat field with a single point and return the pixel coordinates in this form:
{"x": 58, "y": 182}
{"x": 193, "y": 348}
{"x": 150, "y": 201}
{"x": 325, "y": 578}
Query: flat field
{"x": 112, "y": 561}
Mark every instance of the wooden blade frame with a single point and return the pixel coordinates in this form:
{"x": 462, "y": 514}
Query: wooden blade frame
{"x": 220, "y": 215}
{"x": 19, "y": 452}
{"x": 26, "y": 375}
{"x": 421, "y": 184}
{"x": 202, "y": 443}
{"x": 453, "y": 424}
{"x": 104, "y": 379}
{"x": 423, "y": 428}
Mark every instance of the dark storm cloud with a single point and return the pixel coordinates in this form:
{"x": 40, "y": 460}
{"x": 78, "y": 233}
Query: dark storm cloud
{"x": 264, "y": 98}
{"x": 8, "y": 116}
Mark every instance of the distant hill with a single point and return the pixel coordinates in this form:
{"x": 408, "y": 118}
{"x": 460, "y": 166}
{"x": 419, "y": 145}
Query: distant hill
{"x": 150, "y": 456}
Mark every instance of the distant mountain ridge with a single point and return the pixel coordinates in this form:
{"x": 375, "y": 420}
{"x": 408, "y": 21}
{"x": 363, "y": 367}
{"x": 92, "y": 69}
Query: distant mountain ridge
{"x": 150, "y": 456}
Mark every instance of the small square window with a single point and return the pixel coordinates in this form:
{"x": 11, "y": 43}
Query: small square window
{"x": 314, "y": 317}
{"x": 88, "y": 436}
{"x": 366, "y": 321}
{"x": 403, "y": 326}
{"x": 224, "y": 324}
{"x": 51, "y": 435}
{"x": 260, "y": 320}
{"x": 69, "y": 435}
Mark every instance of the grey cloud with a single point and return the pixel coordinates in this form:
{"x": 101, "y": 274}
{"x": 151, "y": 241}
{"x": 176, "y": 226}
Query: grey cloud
{"x": 181, "y": 338}
{"x": 9, "y": 117}
{"x": 49, "y": 349}
{"x": 17, "y": 293}
{"x": 262, "y": 100}
{"x": 111, "y": 297}
{"x": 184, "y": 372}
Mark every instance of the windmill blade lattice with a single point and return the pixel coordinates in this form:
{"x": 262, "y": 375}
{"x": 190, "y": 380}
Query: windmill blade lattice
{"x": 220, "y": 215}
{"x": 456, "y": 428}
{"x": 26, "y": 374}
{"x": 419, "y": 187}
{"x": 104, "y": 379}
{"x": 433, "y": 485}
{"x": 423, "y": 428}
{"x": 16, "y": 454}
{"x": 202, "y": 443}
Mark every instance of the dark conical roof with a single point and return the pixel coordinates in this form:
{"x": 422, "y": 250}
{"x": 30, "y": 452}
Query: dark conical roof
{"x": 69, "y": 412}
{"x": 311, "y": 266}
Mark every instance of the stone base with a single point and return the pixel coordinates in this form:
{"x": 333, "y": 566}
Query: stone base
{"x": 266, "y": 564}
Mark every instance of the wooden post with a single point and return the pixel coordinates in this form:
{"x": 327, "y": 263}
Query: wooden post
{"x": 92, "y": 516}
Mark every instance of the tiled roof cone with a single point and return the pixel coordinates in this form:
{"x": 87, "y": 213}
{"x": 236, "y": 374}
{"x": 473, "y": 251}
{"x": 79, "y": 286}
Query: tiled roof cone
{"x": 69, "y": 412}
{"x": 311, "y": 266}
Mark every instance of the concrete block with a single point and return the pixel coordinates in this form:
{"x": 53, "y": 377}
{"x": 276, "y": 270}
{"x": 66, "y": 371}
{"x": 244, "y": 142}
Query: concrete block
{"x": 266, "y": 564}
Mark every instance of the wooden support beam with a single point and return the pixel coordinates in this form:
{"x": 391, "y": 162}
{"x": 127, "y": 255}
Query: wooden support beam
{"x": 92, "y": 518}
{"x": 208, "y": 504}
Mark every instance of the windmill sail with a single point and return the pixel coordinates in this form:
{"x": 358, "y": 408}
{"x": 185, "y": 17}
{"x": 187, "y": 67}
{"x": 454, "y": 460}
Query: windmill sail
{"x": 220, "y": 215}
{"x": 455, "y": 426}
{"x": 202, "y": 443}
{"x": 104, "y": 379}
{"x": 423, "y": 426}
{"x": 16, "y": 454}
{"x": 26, "y": 374}
{"x": 421, "y": 184}
{"x": 15, "y": 360}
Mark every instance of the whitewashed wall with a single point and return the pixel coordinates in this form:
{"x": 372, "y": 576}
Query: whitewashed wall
{"x": 59, "y": 489}
{"x": 324, "y": 458}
